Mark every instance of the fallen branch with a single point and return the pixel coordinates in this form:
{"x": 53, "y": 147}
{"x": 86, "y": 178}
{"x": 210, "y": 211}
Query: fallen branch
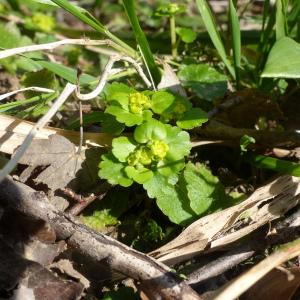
{"x": 156, "y": 276}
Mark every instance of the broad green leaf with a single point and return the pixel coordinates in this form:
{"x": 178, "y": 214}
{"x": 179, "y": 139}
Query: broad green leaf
{"x": 151, "y": 130}
{"x": 140, "y": 176}
{"x": 235, "y": 39}
{"x": 124, "y": 116}
{"x": 212, "y": 30}
{"x": 161, "y": 101}
{"x": 113, "y": 171}
{"x": 275, "y": 164}
{"x": 111, "y": 90}
{"x": 204, "y": 80}
{"x": 192, "y": 118}
{"x": 87, "y": 18}
{"x": 122, "y": 147}
{"x": 283, "y": 60}
{"x": 172, "y": 200}
{"x": 186, "y": 34}
{"x": 141, "y": 39}
{"x": 204, "y": 190}
{"x": 179, "y": 143}
{"x": 67, "y": 73}
{"x": 281, "y": 19}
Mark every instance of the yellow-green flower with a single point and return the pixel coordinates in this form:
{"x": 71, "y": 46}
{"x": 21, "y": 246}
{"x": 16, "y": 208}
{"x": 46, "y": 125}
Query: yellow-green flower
{"x": 138, "y": 102}
{"x": 43, "y": 22}
{"x": 159, "y": 148}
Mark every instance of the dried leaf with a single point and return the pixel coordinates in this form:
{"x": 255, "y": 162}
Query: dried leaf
{"x": 64, "y": 166}
{"x": 170, "y": 81}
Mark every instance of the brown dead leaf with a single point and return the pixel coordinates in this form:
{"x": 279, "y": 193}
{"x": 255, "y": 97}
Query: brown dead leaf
{"x": 276, "y": 285}
{"x": 64, "y": 166}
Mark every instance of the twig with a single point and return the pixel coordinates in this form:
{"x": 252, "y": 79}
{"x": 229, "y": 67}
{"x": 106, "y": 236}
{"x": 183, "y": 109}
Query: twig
{"x": 32, "y": 88}
{"x": 220, "y": 265}
{"x": 100, "y": 85}
{"x": 53, "y": 45}
{"x": 102, "y": 249}
{"x": 245, "y": 281}
{"x": 105, "y": 75}
{"x": 68, "y": 90}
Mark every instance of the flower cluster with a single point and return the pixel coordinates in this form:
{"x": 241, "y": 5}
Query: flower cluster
{"x": 155, "y": 148}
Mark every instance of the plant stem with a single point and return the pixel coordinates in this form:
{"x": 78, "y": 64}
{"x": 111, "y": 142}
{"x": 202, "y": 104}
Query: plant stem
{"x": 173, "y": 36}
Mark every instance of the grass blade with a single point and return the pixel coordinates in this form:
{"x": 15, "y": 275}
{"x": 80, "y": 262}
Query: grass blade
{"x": 88, "y": 19}
{"x": 141, "y": 40}
{"x": 281, "y": 20}
{"x": 236, "y": 40}
{"x": 293, "y": 17}
{"x": 275, "y": 164}
{"x": 212, "y": 30}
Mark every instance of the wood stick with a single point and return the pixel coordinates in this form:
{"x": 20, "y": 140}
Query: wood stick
{"x": 103, "y": 249}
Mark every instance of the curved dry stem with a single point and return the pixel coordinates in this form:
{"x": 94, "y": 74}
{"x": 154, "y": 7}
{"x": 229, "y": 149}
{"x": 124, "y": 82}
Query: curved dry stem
{"x": 32, "y": 88}
{"x": 53, "y": 45}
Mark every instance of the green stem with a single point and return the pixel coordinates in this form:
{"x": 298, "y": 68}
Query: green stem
{"x": 173, "y": 36}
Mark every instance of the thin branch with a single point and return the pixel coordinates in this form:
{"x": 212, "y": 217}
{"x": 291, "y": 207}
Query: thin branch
{"x": 32, "y": 88}
{"x": 68, "y": 90}
{"x": 220, "y": 265}
{"x": 107, "y": 71}
{"x": 101, "y": 84}
{"x": 53, "y": 45}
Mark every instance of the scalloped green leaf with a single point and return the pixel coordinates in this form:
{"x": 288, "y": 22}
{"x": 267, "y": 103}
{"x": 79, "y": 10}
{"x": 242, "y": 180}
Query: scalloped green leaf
{"x": 283, "y": 60}
{"x": 192, "y": 118}
{"x": 169, "y": 167}
{"x": 117, "y": 91}
{"x": 122, "y": 147}
{"x": 179, "y": 143}
{"x": 161, "y": 101}
{"x": 152, "y": 129}
{"x": 124, "y": 116}
{"x": 205, "y": 192}
{"x": 113, "y": 171}
{"x": 171, "y": 199}
{"x": 140, "y": 176}
{"x": 186, "y": 34}
{"x": 204, "y": 80}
